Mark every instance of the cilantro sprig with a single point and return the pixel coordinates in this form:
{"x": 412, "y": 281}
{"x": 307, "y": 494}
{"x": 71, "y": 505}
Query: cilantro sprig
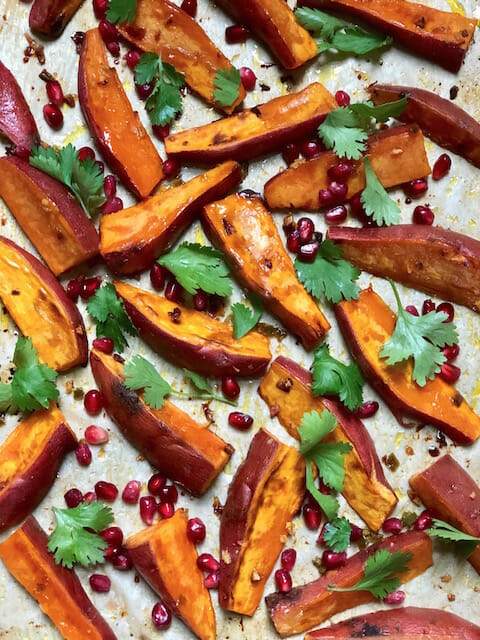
{"x": 377, "y": 203}
{"x": 111, "y": 318}
{"x": 227, "y": 84}
{"x": 121, "y": 11}
{"x": 245, "y": 318}
{"x": 165, "y": 101}
{"x": 332, "y": 377}
{"x": 83, "y": 178}
{"x": 336, "y": 534}
{"x": 420, "y": 338}
{"x": 464, "y": 543}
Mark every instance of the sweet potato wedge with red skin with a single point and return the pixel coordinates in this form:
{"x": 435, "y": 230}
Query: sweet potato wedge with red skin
{"x": 49, "y": 214}
{"x": 310, "y": 604}
{"x": 169, "y": 438}
{"x": 198, "y": 342}
{"x": 366, "y": 324}
{"x": 262, "y": 499}
{"x": 114, "y": 125}
{"x": 441, "y": 120}
{"x": 453, "y": 496}
{"x": 50, "y": 17}
{"x": 41, "y": 308}
{"x": 287, "y": 391}
{"x": 397, "y": 155}
{"x": 29, "y": 460}
{"x": 440, "y": 36}
{"x": 132, "y": 239}
{"x": 274, "y": 22}
{"x": 165, "y": 29}
{"x": 167, "y": 561}
{"x": 16, "y": 120}
{"x": 441, "y": 262}
{"x": 242, "y": 227}
{"x": 405, "y": 623}
{"x": 253, "y": 132}
{"x": 56, "y": 589}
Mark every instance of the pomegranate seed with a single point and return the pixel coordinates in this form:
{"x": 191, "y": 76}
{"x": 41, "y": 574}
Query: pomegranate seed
{"x": 424, "y": 521}
{"x": 311, "y": 149}
{"x": 422, "y": 214}
{"x": 340, "y": 172}
{"x": 111, "y": 552}
{"x": 230, "y": 388}
{"x": 392, "y": 525}
{"x": 450, "y": 372}
{"x": 333, "y": 559}
{"x": 109, "y": 186}
{"x": 190, "y": 7}
{"x": 171, "y": 168}
{"x": 451, "y": 352}
{"x": 293, "y": 241}
{"x": 206, "y": 562}
{"x": 397, "y": 597}
{"x": 312, "y": 516}
{"x": 100, "y": 166}
{"x": 166, "y": 509}
{"x": 338, "y": 190}
{"x": 89, "y": 497}
{"x": 111, "y": 205}
{"x": 114, "y": 48}
{"x": 96, "y": 435}
{"x": 144, "y": 90}
{"x": 100, "y": 583}
{"x": 174, "y": 291}
{"x": 131, "y": 493}
{"x": 73, "y": 498}
{"x": 156, "y": 484}
{"x": 93, "y": 402}
{"x": 283, "y": 580}
{"x": 236, "y": 34}
{"x": 148, "y": 508}
{"x": 106, "y": 491}
{"x": 336, "y": 215}
{"x": 73, "y": 290}
{"x": 54, "y": 92}
{"x": 356, "y": 206}
{"x": 53, "y": 116}
{"x": 100, "y": 8}
{"x": 108, "y": 31}
{"x": 356, "y": 533}
{"x": 441, "y": 167}
{"x": 123, "y": 562}
{"x": 288, "y": 559}
{"x": 83, "y": 454}
{"x": 305, "y": 228}
{"x": 89, "y": 286}
{"x": 248, "y": 78}
{"x": 368, "y": 409}
{"x": 342, "y": 98}
{"x": 320, "y": 538}
{"x": 211, "y": 580}
{"x": 448, "y": 309}
{"x": 168, "y": 494}
{"x": 200, "y": 300}
{"x": 113, "y": 535}
{"x": 325, "y": 198}
{"x": 323, "y": 488}
{"x": 427, "y": 306}
{"x": 105, "y": 345}
{"x": 132, "y": 57}
{"x": 161, "y": 616}
{"x": 240, "y": 420}
{"x": 416, "y": 188}
{"x": 412, "y": 310}
{"x": 86, "y": 152}
{"x": 290, "y": 153}
{"x": 196, "y": 530}
{"x": 160, "y": 131}
{"x": 308, "y": 252}
{"x": 157, "y": 276}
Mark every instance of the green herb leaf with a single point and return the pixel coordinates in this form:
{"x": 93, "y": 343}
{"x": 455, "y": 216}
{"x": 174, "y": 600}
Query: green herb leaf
{"x": 420, "y": 338}
{"x": 165, "y": 101}
{"x": 332, "y": 377}
{"x": 205, "y": 387}
{"x": 227, "y": 83}
{"x": 465, "y": 543}
{"x": 376, "y": 201}
{"x": 336, "y": 534}
{"x": 367, "y": 111}
{"x": 146, "y": 68}
{"x": 198, "y": 267}
{"x": 141, "y": 374}
{"x": 121, "y": 10}
{"x": 71, "y": 542}
{"x": 328, "y": 504}
{"x": 359, "y": 41}
{"x": 111, "y": 318}
{"x": 6, "y": 397}
{"x": 244, "y": 318}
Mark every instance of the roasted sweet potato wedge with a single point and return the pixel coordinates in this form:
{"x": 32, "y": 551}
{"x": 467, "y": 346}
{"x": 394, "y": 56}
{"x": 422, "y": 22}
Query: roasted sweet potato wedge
{"x": 367, "y": 324}
{"x": 453, "y": 496}
{"x": 441, "y": 120}
{"x": 274, "y": 23}
{"x": 397, "y": 155}
{"x": 264, "y": 495}
{"x": 50, "y": 17}
{"x": 310, "y": 604}
{"x": 254, "y": 132}
{"x": 440, "y": 36}
{"x": 287, "y": 391}
{"x": 113, "y": 123}
{"x": 169, "y": 438}
{"x": 162, "y": 27}
{"x": 406, "y": 623}
{"x": 29, "y": 460}
{"x": 167, "y": 560}
{"x": 197, "y": 342}
{"x": 441, "y": 262}
{"x": 132, "y": 239}
{"x": 242, "y": 227}
{"x": 49, "y": 214}
{"x": 16, "y": 120}
{"x": 56, "y": 589}
{"x": 41, "y": 308}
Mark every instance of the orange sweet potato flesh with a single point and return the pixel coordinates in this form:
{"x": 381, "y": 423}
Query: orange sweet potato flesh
{"x": 56, "y": 589}
{"x": 440, "y": 36}
{"x": 113, "y": 123}
{"x": 167, "y": 560}
{"x": 133, "y": 238}
{"x": 242, "y": 227}
{"x": 265, "y": 494}
{"x": 50, "y": 17}
{"x": 41, "y": 308}
{"x": 253, "y": 132}
{"x": 366, "y": 325}
{"x": 163, "y": 28}
{"x": 287, "y": 391}
{"x": 310, "y": 604}
{"x": 397, "y": 155}
{"x": 453, "y": 496}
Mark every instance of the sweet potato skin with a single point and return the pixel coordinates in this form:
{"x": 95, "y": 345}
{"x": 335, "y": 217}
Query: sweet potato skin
{"x": 16, "y": 119}
{"x": 453, "y": 496}
{"x": 50, "y": 17}
{"x": 439, "y": 261}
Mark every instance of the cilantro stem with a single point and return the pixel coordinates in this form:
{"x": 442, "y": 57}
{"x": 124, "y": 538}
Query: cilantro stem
{"x": 204, "y": 396}
{"x": 397, "y": 296}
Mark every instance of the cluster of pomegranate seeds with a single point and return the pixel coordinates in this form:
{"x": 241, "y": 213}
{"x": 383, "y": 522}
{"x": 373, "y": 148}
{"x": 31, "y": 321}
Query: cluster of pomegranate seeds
{"x": 416, "y": 188}
{"x": 283, "y": 581}
{"x": 83, "y": 454}
{"x": 424, "y": 521}
{"x": 53, "y": 116}
{"x": 196, "y": 530}
{"x": 190, "y": 7}
{"x": 171, "y": 168}
{"x": 131, "y": 492}
{"x": 422, "y": 214}
{"x": 96, "y": 435}
{"x": 397, "y": 597}
{"x": 109, "y": 35}
{"x": 392, "y": 525}
{"x": 302, "y": 239}
{"x": 248, "y": 78}
{"x": 441, "y": 167}
{"x": 148, "y": 509}
{"x": 230, "y": 388}
{"x": 105, "y": 345}
{"x": 333, "y": 559}
{"x": 73, "y": 497}
{"x": 106, "y": 491}
{"x": 241, "y": 421}
{"x": 367, "y": 410}
{"x": 236, "y": 34}
{"x": 93, "y": 402}
{"x": 312, "y": 516}
{"x": 161, "y": 616}
{"x": 342, "y": 98}
{"x": 100, "y": 583}
{"x": 210, "y": 565}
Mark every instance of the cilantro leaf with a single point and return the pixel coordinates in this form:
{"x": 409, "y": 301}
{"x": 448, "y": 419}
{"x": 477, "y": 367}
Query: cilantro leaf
{"x": 227, "y": 83}
{"x": 328, "y": 274}
{"x": 6, "y": 397}
{"x": 121, "y": 10}
{"x": 205, "y": 387}
{"x": 141, "y": 374}
{"x": 313, "y": 428}
{"x": 146, "y": 68}
{"x": 25, "y": 354}
{"x": 465, "y": 543}
{"x": 376, "y": 201}
{"x": 244, "y": 318}
{"x": 381, "y": 113}
{"x": 332, "y": 377}
{"x": 111, "y": 318}
{"x": 359, "y": 41}
{"x": 198, "y": 267}
{"x": 327, "y": 503}
{"x": 420, "y": 338}
{"x": 380, "y": 577}
{"x": 336, "y": 534}
{"x": 165, "y": 101}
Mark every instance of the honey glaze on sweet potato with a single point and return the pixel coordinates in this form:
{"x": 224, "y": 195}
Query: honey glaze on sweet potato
{"x": 367, "y": 324}
{"x": 287, "y": 391}
{"x": 167, "y": 561}
{"x": 50, "y": 17}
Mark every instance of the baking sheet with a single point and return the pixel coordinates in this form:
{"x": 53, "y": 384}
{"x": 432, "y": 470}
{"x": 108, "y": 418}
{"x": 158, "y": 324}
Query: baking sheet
{"x": 451, "y": 585}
